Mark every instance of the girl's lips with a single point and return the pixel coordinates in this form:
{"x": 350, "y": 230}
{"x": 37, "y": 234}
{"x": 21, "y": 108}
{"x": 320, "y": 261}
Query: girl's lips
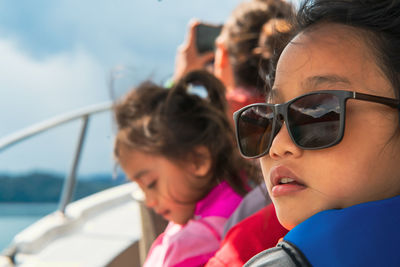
{"x": 284, "y": 182}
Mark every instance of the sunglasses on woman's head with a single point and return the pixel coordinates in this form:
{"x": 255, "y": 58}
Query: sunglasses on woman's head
{"x": 315, "y": 120}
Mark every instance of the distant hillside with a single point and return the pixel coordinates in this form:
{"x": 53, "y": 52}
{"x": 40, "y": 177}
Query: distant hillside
{"x": 46, "y": 187}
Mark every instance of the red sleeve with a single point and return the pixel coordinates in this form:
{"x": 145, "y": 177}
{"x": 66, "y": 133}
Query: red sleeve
{"x": 240, "y": 97}
{"x": 254, "y": 234}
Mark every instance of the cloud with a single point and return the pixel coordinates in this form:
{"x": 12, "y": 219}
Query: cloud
{"x": 33, "y": 90}
{"x": 115, "y": 32}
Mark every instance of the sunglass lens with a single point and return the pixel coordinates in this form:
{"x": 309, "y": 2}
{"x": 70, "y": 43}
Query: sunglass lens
{"x": 254, "y": 128}
{"x": 314, "y": 120}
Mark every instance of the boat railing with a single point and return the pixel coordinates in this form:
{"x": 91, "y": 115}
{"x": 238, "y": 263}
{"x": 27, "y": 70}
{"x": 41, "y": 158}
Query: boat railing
{"x": 83, "y": 114}
{"x": 152, "y": 223}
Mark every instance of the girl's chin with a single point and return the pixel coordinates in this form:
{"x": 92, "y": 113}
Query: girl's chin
{"x": 288, "y": 220}
{"x": 178, "y": 221}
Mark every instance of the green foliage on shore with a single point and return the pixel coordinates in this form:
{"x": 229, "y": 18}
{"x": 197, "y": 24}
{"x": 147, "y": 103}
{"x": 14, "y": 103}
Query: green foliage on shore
{"x": 47, "y": 187}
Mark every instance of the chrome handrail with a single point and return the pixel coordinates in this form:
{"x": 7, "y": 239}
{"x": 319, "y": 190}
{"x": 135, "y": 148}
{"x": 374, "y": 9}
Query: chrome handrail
{"x": 69, "y": 183}
{"x": 83, "y": 113}
{"x": 35, "y": 129}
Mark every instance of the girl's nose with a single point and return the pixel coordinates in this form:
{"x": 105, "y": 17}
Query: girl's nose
{"x": 150, "y": 200}
{"x": 283, "y": 146}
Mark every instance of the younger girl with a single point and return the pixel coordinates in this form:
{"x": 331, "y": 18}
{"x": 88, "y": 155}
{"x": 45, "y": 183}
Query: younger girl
{"x": 180, "y": 150}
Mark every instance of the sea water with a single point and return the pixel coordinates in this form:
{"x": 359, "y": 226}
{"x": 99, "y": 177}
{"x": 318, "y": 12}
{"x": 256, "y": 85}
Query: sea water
{"x": 14, "y": 217}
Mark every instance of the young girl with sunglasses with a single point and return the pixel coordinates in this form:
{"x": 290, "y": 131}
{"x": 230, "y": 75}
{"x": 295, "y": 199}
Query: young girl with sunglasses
{"x": 180, "y": 150}
{"x": 329, "y": 137}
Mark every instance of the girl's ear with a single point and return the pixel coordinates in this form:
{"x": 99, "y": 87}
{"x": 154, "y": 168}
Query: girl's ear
{"x": 222, "y": 66}
{"x": 221, "y": 59}
{"x": 200, "y": 161}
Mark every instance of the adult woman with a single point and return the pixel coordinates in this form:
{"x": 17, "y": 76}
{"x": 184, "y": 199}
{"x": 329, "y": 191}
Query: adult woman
{"x": 330, "y": 152}
{"x": 237, "y": 60}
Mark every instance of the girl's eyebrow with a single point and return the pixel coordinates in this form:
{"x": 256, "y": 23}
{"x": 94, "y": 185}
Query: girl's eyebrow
{"x": 140, "y": 174}
{"x": 330, "y": 79}
{"x": 313, "y": 82}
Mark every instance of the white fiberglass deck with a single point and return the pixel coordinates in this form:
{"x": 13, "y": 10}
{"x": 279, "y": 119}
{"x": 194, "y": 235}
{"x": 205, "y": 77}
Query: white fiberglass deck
{"x": 94, "y": 231}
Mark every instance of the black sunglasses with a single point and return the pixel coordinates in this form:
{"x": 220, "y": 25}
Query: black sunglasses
{"x": 315, "y": 120}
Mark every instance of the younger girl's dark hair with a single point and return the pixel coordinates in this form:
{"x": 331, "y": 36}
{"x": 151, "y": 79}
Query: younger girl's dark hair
{"x": 379, "y": 22}
{"x": 173, "y": 122}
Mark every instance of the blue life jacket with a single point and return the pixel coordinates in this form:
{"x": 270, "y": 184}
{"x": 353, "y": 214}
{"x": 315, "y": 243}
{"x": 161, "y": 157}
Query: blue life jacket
{"x": 367, "y": 234}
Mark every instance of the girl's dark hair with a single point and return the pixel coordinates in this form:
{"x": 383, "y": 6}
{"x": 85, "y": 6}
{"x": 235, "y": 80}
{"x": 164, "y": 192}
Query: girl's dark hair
{"x": 379, "y": 21}
{"x": 173, "y": 122}
{"x": 241, "y": 34}
{"x": 275, "y": 35}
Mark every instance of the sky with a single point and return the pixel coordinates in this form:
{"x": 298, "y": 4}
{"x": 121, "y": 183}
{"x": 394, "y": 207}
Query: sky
{"x": 56, "y": 56}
